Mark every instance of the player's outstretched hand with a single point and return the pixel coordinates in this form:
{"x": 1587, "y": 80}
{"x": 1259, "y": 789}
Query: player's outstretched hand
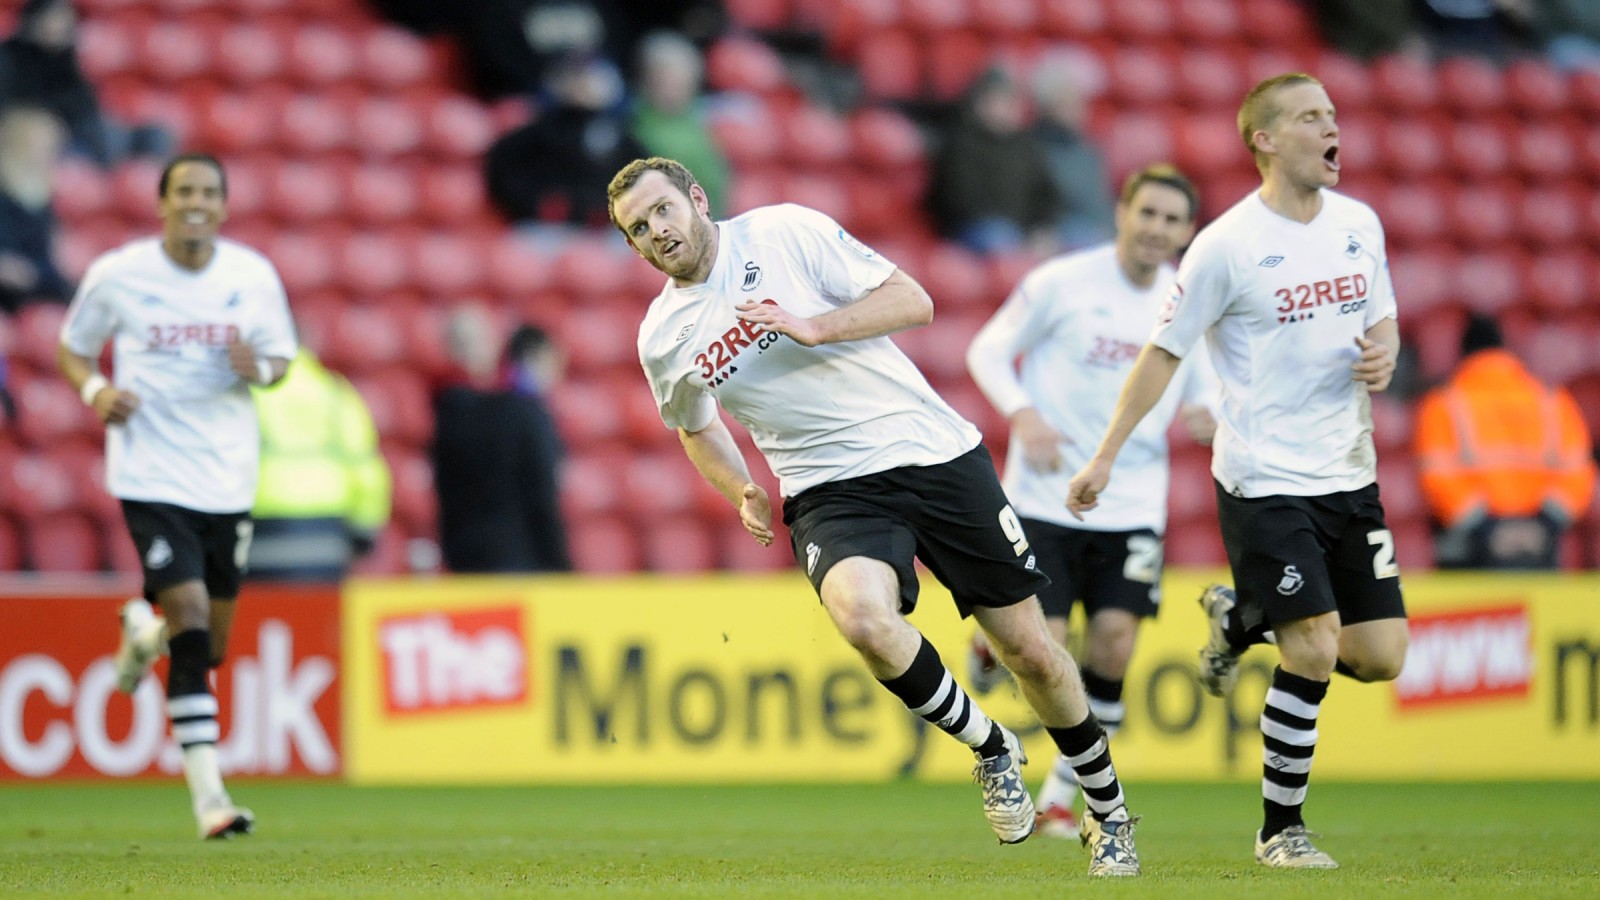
{"x": 1083, "y": 494}
{"x": 772, "y": 317}
{"x": 755, "y": 513}
{"x": 242, "y": 359}
{"x": 1041, "y": 444}
{"x": 1375, "y": 367}
{"x": 115, "y": 406}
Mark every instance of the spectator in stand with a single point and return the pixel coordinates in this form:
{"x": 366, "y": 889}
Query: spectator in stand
{"x": 1507, "y": 464}
{"x": 324, "y": 491}
{"x": 496, "y": 454}
{"x": 992, "y": 190}
{"x": 1074, "y": 162}
{"x": 1368, "y": 29}
{"x": 1470, "y": 27}
{"x": 31, "y": 141}
{"x": 554, "y": 169}
{"x": 39, "y": 67}
{"x": 1567, "y": 32}
{"x": 668, "y": 117}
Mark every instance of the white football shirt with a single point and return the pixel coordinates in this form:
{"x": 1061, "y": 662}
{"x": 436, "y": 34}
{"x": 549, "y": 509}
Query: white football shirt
{"x": 1078, "y": 324}
{"x": 193, "y": 441}
{"x": 817, "y": 414}
{"x": 1281, "y": 304}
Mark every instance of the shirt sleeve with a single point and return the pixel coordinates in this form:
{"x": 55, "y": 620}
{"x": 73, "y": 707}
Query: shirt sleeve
{"x": 1015, "y": 328}
{"x": 1199, "y": 298}
{"x": 274, "y": 335}
{"x": 1201, "y": 385}
{"x": 90, "y": 320}
{"x": 843, "y": 269}
{"x": 679, "y": 405}
{"x": 1382, "y": 305}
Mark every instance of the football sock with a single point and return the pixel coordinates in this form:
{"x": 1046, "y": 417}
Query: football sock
{"x": 1288, "y": 740}
{"x": 1105, "y": 699}
{"x": 929, "y": 690}
{"x": 1085, "y": 747}
{"x": 193, "y": 711}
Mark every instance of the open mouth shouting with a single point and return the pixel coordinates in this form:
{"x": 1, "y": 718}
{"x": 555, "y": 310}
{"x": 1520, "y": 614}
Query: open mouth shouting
{"x": 1330, "y": 158}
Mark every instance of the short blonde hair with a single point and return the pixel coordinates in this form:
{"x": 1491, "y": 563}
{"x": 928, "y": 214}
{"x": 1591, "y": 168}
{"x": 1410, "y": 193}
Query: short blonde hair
{"x": 1260, "y": 109}
{"x": 629, "y": 175}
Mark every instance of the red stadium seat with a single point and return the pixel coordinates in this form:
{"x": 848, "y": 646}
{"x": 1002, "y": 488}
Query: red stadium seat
{"x": 744, "y": 64}
{"x": 815, "y": 138}
{"x": 1391, "y": 423}
{"x": 821, "y": 193}
{"x": 603, "y": 546}
{"x": 1412, "y": 146}
{"x": 1535, "y": 90}
{"x": 1488, "y": 283}
{"x": 1404, "y": 84}
{"x": 1471, "y": 86}
{"x": 1483, "y": 214}
{"x": 1136, "y": 140}
{"x": 1208, "y": 23}
{"x": 249, "y": 53}
{"x": 171, "y": 51}
{"x": 1413, "y": 542}
{"x": 517, "y": 268}
{"x": 364, "y": 338}
{"x": 400, "y": 406}
{"x": 1414, "y": 213}
{"x": 588, "y": 412}
{"x": 452, "y": 194}
{"x": 848, "y": 25}
{"x": 1211, "y": 80}
{"x": 37, "y": 335}
{"x": 385, "y": 127}
{"x": 892, "y": 70}
{"x": 1207, "y": 145}
{"x": 1141, "y": 22}
{"x": 952, "y": 61}
{"x": 1584, "y": 87}
{"x": 749, "y": 135}
{"x": 391, "y": 58}
{"x": 314, "y": 123}
{"x": 594, "y": 268}
{"x": 36, "y": 485}
{"x": 1551, "y": 217}
{"x": 742, "y": 553}
{"x": 1280, "y": 23}
{"x": 1140, "y": 75}
{"x": 1480, "y": 148}
{"x": 66, "y": 542}
{"x": 304, "y": 261}
{"x": 390, "y": 554}
{"x": 1348, "y": 81}
{"x": 382, "y": 194}
{"x": 1191, "y": 492}
{"x": 1194, "y": 542}
{"x": 243, "y": 122}
{"x": 105, "y": 49}
{"x": 1423, "y": 278}
{"x": 1561, "y": 352}
{"x": 46, "y": 413}
{"x": 1005, "y": 19}
{"x": 1561, "y": 284}
{"x": 600, "y": 337}
{"x": 677, "y": 544}
{"x": 373, "y": 263}
{"x": 760, "y": 15}
{"x": 458, "y": 127}
{"x": 885, "y": 139}
{"x": 448, "y": 264}
{"x": 933, "y": 17}
{"x": 11, "y": 557}
{"x": 756, "y": 187}
{"x": 1400, "y": 486}
{"x": 956, "y": 278}
{"x": 305, "y": 193}
{"x": 322, "y": 55}
{"x": 81, "y": 191}
{"x": 1072, "y": 19}
{"x": 1545, "y": 151}
{"x": 591, "y": 485}
{"x": 416, "y": 501}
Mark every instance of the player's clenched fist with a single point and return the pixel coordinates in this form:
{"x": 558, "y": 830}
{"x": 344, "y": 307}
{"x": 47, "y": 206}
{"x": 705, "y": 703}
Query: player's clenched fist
{"x": 1083, "y": 494}
{"x": 115, "y": 406}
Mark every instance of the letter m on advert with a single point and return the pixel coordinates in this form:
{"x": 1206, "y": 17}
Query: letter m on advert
{"x": 438, "y": 661}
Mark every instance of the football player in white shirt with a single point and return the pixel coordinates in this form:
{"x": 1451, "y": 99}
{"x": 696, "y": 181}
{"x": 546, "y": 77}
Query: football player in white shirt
{"x": 1076, "y": 323}
{"x": 1291, "y": 290}
{"x": 194, "y": 321}
{"x": 781, "y": 317}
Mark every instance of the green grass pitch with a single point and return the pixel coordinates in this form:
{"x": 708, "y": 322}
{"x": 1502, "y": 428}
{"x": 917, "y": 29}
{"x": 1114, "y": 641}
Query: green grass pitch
{"x": 882, "y": 840}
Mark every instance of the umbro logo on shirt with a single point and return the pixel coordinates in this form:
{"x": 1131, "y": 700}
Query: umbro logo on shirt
{"x": 1271, "y": 261}
{"x": 684, "y": 332}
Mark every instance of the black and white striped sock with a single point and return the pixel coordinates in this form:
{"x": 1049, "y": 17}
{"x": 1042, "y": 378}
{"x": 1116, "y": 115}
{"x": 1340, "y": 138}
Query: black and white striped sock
{"x": 1087, "y": 750}
{"x": 193, "y": 711}
{"x": 1288, "y": 741}
{"x": 1105, "y": 699}
{"x": 928, "y": 689}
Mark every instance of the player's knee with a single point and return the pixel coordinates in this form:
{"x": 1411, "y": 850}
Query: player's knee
{"x": 1380, "y": 665}
{"x": 863, "y": 625}
{"x": 1037, "y": 660}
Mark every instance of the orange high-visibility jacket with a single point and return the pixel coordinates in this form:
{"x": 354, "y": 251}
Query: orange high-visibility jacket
{"x": 1496, "y": 438}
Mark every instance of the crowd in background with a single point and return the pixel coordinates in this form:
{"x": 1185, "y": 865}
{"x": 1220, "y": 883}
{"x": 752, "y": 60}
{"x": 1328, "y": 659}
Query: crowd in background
{"x": 1014, "y": 169}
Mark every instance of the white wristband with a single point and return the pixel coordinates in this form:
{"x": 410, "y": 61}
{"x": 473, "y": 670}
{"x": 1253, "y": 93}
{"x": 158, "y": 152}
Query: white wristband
{"x": 92, "y": 386}
{"x": 263, "y": 370}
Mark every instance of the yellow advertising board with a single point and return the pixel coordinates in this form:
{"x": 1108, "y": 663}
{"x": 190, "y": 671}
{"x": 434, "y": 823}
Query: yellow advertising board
{"x": 742, "y": 678}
